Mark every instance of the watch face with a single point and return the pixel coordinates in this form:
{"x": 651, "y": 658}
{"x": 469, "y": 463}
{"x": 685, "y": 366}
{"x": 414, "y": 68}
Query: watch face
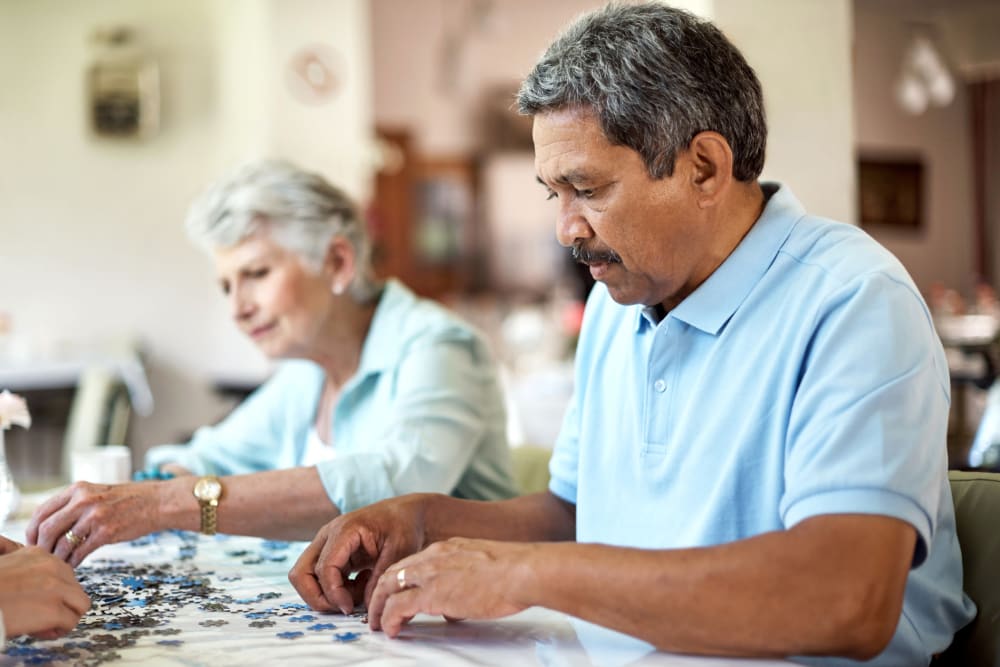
{"x": 208, "y": 488}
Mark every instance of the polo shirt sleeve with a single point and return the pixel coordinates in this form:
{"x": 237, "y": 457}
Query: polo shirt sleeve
{"x": 443, "y": 398}
{"x": 247, "y": 440}
{"x": 868, "y": 423}
{"x": 564, "y": 463}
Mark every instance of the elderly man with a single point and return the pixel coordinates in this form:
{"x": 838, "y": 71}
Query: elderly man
{"x": 754, "y": 459}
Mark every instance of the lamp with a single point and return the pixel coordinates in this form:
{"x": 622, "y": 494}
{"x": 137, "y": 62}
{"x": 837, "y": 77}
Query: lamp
{"x": 925, "y": 79}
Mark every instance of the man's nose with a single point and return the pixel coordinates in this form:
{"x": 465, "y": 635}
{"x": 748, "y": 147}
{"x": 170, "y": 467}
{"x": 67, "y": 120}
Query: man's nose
{"x": 572, "y": 226}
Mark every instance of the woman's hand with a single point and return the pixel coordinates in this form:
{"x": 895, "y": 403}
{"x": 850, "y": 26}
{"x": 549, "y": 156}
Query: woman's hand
{"x": 39, "y": 594}
{"x": 85, "y": 516}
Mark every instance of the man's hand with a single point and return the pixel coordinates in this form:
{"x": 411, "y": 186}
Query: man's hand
{"x": 349, "y": 554}
{"x": 98, "y": 514}
{"x": 39, "y": 594}
{"x": 459, "y": 578}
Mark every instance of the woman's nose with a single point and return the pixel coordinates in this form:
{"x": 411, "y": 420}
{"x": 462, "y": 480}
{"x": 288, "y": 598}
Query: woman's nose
{"x": 240, "y": 305}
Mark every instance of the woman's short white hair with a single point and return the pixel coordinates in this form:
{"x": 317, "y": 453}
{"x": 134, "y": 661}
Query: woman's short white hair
{"x": 301, "y": 211}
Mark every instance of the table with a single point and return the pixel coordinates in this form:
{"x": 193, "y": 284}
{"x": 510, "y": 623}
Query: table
{"x": 226, "y": 601}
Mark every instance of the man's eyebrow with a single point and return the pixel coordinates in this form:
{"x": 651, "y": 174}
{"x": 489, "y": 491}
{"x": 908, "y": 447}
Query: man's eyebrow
{"x": 572, "y": 177}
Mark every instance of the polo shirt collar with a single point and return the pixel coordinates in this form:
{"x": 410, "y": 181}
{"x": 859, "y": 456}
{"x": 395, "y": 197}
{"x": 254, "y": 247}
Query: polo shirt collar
{"x": 381, "y": 349}
{"x": 710, "y": 306}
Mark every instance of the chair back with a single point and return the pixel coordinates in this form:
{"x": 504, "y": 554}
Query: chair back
{"x": 99, "y": 414}
{"x": 977, "y": 519}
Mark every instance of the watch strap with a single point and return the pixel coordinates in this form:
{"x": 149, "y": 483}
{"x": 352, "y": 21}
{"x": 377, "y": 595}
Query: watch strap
{"x": 209, "y": 516}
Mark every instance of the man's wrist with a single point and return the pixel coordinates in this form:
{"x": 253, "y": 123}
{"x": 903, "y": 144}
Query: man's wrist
{"x": 428, "y": 514}
{"x": 527, "y": 573}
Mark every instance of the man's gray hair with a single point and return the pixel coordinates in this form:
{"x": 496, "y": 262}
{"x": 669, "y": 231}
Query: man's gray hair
{"x": 655, "y": 77}
{"x": 300, "y": 211}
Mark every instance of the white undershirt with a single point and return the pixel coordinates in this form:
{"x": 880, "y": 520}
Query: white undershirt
{"x": 316, "y": 450}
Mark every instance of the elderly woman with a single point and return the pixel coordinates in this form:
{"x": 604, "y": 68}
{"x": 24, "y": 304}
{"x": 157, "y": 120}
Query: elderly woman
{"x": 387, "y": 394}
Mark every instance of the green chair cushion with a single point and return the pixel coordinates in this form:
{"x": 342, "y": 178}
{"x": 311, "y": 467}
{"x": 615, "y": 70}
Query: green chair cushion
{"x": 530, "y": 465}
{"x": 977, "y": 517}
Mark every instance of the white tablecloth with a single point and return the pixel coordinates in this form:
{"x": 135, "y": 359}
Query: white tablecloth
{"x": 227, "y": 601}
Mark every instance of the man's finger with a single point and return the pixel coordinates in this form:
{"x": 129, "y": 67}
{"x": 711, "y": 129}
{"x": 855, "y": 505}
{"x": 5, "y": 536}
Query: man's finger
{"x": 303, "y": 578}
{"x": 386, "y": 559}
{"x": 386, "y": 586}
{"x": 359, "y": 585}
{"x": 400, "y": 608}
{"x": 330, "y": 569}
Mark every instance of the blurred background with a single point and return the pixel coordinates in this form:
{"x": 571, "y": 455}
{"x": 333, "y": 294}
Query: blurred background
{"x": 114, "y": 114}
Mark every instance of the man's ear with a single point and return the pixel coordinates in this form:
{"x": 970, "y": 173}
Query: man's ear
{"x": 712, "y": 161}
{"x": 339, "y": 264}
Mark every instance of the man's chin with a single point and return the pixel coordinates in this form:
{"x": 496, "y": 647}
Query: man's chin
{"x": 622, "y": 295}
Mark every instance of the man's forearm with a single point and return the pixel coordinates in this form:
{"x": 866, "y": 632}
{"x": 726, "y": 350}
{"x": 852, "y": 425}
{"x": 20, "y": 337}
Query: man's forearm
{"x": 826, "y": 589}
{"x": 539, "y": 517}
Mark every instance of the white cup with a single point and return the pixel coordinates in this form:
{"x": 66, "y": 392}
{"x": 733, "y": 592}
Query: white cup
{"x": 110, "y": 464}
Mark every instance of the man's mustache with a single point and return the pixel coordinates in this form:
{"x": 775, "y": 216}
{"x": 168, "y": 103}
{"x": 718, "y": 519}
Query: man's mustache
{"x": 586, "y": 256}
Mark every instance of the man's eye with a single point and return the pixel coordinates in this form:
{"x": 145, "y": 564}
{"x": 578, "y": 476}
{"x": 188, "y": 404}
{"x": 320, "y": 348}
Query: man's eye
{"x": 586, "y": 194}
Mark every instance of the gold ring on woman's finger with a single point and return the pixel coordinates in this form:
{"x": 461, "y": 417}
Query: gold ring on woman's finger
{"x": 74, "y": 540}
{"x": 401, "y": 578}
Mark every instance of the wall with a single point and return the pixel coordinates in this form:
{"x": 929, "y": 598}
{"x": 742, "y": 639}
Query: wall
{"x": 91, "y": 239}
{"x": 942, "y": 250}
{"x": 414, "y": 39}
{"x": 805, "y": 74}
{"x": 800, "y": 50}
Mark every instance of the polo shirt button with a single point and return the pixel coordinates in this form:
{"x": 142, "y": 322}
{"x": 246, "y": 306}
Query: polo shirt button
{"x": 660, "y": 386}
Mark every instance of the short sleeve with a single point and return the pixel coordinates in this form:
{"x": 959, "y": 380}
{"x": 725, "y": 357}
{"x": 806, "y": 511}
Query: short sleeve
{"x": 868, "y": 424}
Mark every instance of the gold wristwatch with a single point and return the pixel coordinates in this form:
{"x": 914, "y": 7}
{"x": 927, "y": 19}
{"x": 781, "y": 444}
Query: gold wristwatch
{"x": 208, "y": 491}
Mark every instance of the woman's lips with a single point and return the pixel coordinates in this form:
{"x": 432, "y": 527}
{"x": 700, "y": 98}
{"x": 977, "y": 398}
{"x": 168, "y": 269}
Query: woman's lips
{"x": 261, "y": 331}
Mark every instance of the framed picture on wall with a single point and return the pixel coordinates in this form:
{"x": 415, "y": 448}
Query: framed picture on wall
{"x": 445, "y": 204}
{"x": 891, "y": 192}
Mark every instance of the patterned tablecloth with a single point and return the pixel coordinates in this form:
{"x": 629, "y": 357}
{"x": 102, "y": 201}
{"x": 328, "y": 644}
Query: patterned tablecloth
{"x": 183, "y": 599}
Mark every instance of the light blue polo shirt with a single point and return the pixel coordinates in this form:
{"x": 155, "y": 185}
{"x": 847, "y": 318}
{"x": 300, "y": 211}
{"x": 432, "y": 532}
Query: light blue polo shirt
{"x": 803, "y": 377}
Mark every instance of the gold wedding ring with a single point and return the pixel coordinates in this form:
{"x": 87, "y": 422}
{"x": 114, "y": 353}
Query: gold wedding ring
{"x": 74, "y": 540}
{"x": 401, "y": 578}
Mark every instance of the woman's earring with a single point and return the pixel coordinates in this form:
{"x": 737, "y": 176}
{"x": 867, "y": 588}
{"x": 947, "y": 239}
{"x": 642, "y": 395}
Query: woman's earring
{"x": 338, "y": 289}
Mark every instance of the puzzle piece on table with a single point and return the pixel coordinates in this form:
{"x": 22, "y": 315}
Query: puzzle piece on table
{"x": 317, "y": 627}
